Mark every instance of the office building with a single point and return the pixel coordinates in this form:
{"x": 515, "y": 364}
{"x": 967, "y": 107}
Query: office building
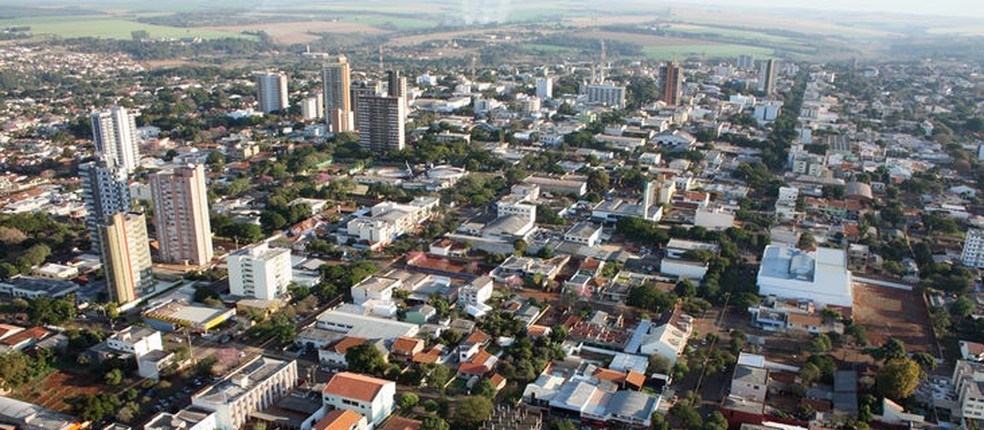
{"x": 672, "y": 83}
{"x": 381, "y": 123}
{"x": 114, "y": 132}
{"x": 184, "y": 233}
{"x": 313, "y": 107}
{"x": 336, "y": 78}
{"x": 544, "y": 88}
{"x": 609, "y": 95}
{"x": 768, "y": 77}
{"x": 254, "y": 386}
{"x": 271, "y": 91}
{"x": 125, "y": 253}
{"x": 105, "y": 193}
{"x": 973, "y": 249}
{"x": 259, "y": 271}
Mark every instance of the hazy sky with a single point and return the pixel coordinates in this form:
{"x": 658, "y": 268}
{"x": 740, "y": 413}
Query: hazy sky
{"x": 959, "y": 8}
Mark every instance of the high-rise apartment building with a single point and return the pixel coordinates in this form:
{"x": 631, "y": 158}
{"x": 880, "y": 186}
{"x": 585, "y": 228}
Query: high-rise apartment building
{"x": 746, "y": 62}
{"x": 973, "y": 249}
{"x": 768, "y": 77}
{"x": 606, "y": 94}
{"x": 381, "y": 123}
{"x": 105, "y": 192}
{"x": 313, "y": 107}
{"x": 271, "y": 91}
{"x": 336, "y": 78}
{"x": 672, "y": 83}
{"x": 125, "y": 254}
{"x": 181, "y": 215}
{"x": 397, "y": 84}
{"x": 544, "y": 88}
{"x": 360, "y": 89}
{"x": 259, "y": 271}
{"x": 114, "y": 132}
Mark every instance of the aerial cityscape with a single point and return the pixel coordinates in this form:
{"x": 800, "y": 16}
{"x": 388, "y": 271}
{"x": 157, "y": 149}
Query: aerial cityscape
{"x": 491, "y": 215}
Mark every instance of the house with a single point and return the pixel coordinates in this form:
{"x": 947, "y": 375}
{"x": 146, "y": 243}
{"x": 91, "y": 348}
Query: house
{"x": 471, "y": 345}
{"x": 666, "y": 337}
{"x": 971, "y": 351}
{"x": 397, "y": 422}
{"x": 420, "y": 314}
{"x": 334, "y": 355}
{"x": 478, "y": 365}
{"x": 627, "y": 380}
{"x": 23, "y": 339}
{"x": 342, "y": 419}
{"x": 472, "y": 297}
{"x": 368, "y": 396}
{"x": 404, "y": 348}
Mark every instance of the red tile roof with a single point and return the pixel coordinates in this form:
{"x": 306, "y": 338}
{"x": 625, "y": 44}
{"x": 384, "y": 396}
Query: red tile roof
{"x": 481, "y": 363}
{"x": 36, "y": 333}
{"x": 401, "y": 423}
{"x": 407, "y": 346}
{"x": 477, "y": 336}
{"x": 355, "y": 386}
{"x": 339, "y": 419}
{"x": 343, "y": 345}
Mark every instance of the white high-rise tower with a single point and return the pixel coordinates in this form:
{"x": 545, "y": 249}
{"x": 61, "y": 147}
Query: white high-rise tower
{"x": 114, "y": 131}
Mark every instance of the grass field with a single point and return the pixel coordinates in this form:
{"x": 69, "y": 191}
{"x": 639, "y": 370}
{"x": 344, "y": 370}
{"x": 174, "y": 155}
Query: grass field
{"x": 396, "y": 22}
{"x": 110, "y": 28}
{"x": 670, "y": 52}
{"x": 729, "y": 33}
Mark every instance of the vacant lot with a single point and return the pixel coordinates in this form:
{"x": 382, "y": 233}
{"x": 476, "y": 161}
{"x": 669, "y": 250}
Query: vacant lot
{"x": 888, "y": 312}
{"x": 59, "y": 386}
{"x": 301, "y": 32}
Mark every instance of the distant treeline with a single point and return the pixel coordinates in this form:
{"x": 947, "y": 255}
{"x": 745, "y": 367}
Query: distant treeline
{"x": 613, "y": 47}
{"x": 142, "y": 51}
{"x": 215, "y": 17}
{"x": 14, "y": 12}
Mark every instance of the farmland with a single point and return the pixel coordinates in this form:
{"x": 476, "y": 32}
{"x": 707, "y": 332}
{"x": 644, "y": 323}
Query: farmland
{"x": 110, "y": 28}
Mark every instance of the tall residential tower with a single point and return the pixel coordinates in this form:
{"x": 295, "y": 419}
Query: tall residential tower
{"x": 181, "y": 217}
{"x": 672, "y": 83}
{"x": 381, "y": 123}
{"x": 336, "y": 78}
{"x": 114, "y": 132}
{"x": 271, "y": 91}
{"x": 105, "y": 193}
{"x": 125, "y": 254}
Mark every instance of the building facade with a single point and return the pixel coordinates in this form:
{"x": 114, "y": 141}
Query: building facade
{"x": 125, "y": 254}
{"x": 368, "y": 396}
{"x": 271, "y": 91}
{"x": 612, "y": 96}
{"x": 672, "y": 83}
{"x": 254, "y": 386}
{"x": 184, "y": 231}
{"x": 260, "y": 272}
{"x": 105, "y": 193}
{"x": 114, "y": 132}
{"x": 973, "y": 249}
{"x": 336, "y": 79}
{"x": 382, "y": 123}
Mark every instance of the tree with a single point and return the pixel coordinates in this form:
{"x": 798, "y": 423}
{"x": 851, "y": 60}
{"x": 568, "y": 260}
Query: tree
{"x": 963, "y": 307}
{"x": 473, "y": 410}
{"x": 434, "y": 423}
{"x": 716, "y": 421}
{"x": 685, "y": 288}
{"x": 689, "y": 417}
{"x": 898, "y": 378}
{"x": 891, "y": 349}
{"x": 925, "y": 360}
{"x": 439, "y": 376}
{"x": 45, "y": 311}
{"x": 114, "y": 377}
{"x": 564, "y": 424}
{"x": 821, "y": 343}
{"x": 485, "y": 388}
{"x": 806, "y": 241}
{"x": 658, "y": 364}
{"x": 598, "y": 181}
{"x": 365, "y": 358}
{"x": 407, "y": 401}
{"x": 520, "y": 246}
{"x": 659, "y": 422}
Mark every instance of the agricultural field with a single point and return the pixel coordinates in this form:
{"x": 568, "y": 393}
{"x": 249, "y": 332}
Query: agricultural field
{"x": 671, "y": 52}
{"x": 110, "y": 28}
{"x": 300, "y": 32}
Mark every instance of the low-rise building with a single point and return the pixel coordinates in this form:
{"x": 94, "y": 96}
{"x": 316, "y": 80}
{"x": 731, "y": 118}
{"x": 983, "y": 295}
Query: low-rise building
{"x": 371, "y": 397}
{"x": 256, "y": 385}
{"x": 821, "y": 276}
{"x": 584, "y": 233}
{"x": 389, "y": 220}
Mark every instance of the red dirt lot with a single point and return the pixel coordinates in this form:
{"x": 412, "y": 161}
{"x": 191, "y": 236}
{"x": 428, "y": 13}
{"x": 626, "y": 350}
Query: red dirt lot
{"x": 54, "y": 389}
{"x": 888, "y": 312}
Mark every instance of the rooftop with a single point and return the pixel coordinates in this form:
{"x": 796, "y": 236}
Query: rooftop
{"x": 243, "y": 379}
{"x": 355, "y": 386}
